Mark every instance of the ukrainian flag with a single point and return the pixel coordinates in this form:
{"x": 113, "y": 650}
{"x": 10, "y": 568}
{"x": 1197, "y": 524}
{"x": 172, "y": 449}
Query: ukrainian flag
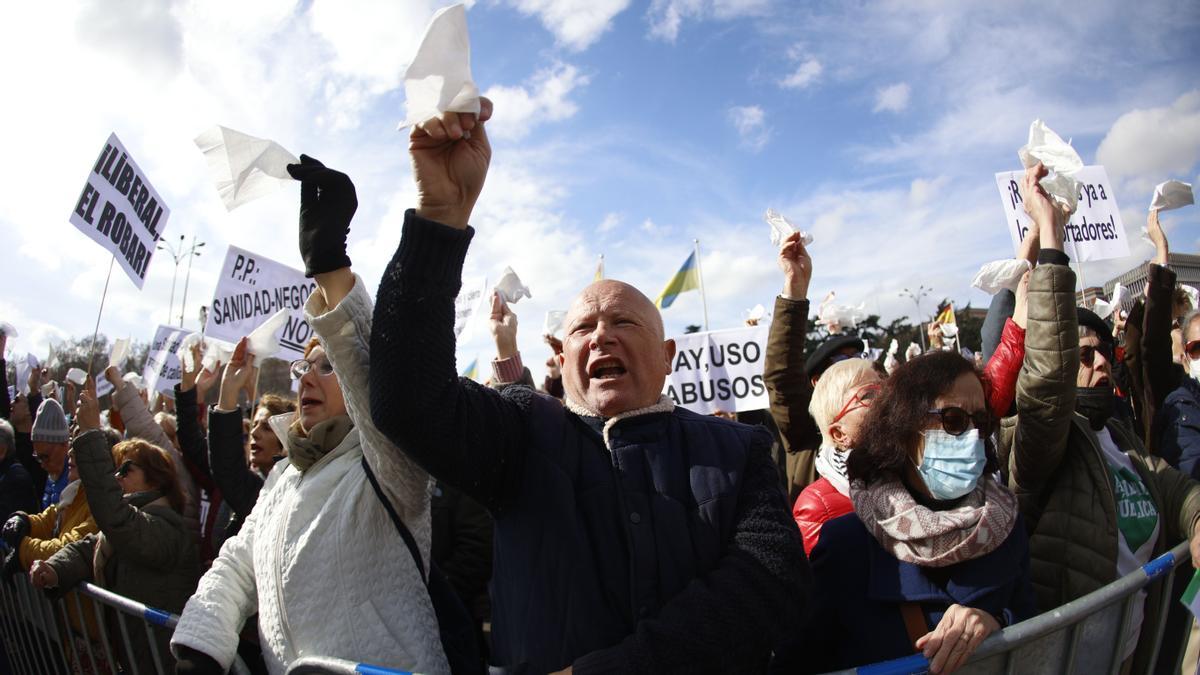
{"x": 471, "y": 372}
{"x": 686, "y": 279}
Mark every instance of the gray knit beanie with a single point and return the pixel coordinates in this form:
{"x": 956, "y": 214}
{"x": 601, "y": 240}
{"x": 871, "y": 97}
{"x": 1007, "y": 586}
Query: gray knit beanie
{"x": 50, "y": 425}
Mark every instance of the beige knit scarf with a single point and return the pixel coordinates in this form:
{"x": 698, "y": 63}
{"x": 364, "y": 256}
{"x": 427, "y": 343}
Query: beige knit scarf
{"x": 304, "y": 450}
{"x": 917, "y": 534}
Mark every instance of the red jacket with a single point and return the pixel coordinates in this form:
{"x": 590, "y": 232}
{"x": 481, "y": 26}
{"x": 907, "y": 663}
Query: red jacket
{"x": 1003, "y": 368}
{"x": 818, "y": 503}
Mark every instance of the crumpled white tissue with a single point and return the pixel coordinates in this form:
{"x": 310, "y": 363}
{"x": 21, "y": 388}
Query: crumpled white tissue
{"x": 216, "y": 352}
{"x": 949, "y": 330}
{"x": 1172, "y": 194}
{"x": 890, "y": 363}
{"x": 554, "y": 322}
{"x": 837, "y": 317}
{"x": 998, "y": 275}
{"x": 119, "y": 352}
{"x": 1103, "y": 308}
{"x": 8, "y": 330}
{"x": 263, "y": 342}
{"x": 438, "y": 78}
{"x": 1059, "y": 157}
{"x": 77, "y": 375}
{"x": 184, "y": 352}
{"x": 49, "y": 388}
{"x": 1193, "y": 295}
{"x": 782, "y": 228}
{"x": 756, "y": 313}
{"x": 511, "y": 288}
{"x": 136, "y": 380}
{"x": 1118, "y": 295}
{"x": 913, "y": 351}
{"x": 244, "y": 167}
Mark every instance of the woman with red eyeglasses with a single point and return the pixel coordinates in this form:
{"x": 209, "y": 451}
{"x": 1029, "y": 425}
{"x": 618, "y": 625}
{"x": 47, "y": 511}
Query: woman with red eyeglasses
{"x": 839, "y": 405}
{"x": 934, "y": 557}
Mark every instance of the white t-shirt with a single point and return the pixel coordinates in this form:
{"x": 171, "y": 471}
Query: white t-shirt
{"x": 1137, "y": 526}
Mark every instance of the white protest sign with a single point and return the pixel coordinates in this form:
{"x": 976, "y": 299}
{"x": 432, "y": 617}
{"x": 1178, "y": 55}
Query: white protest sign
{"x": 162, "y": 369}
{"x": 719, "y": 370}
{"x": 121, "y": 211}
{"x": 468, "y": 303}
{"x": 250, "y": 290}
{"x": 1095, "y": 232}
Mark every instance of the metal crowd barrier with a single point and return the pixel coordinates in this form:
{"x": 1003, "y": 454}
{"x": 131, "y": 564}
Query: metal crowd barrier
{"x": 40, "y": 637}
{"x": 1082, "y": 636}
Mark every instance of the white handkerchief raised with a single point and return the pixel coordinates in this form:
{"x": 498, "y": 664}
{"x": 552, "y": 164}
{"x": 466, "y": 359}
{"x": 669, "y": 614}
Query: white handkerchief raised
{"x": 554, "y": 322}
{"x": 913, "y": 351}
{"x": 949, "y": 330}
{"x": 511, "y": 288}
{"x": 1118, "y": 295}
{"x": 998, "y": 275}
{"x": 263, "y": 341}
{"x": 120, "y": 350}
{"x": 8, "y": 330}
{"x": 1172, "y": 194}
{"x": 756, "y": 313}
{"x": 136, "y": 380}
{"x": 1059, "y": 157}
{"x": 782, "y": 228}
{"x": 216, "y": 352}
{"x": 438, "y": 78}
{"x": 244, "y": 167}
{"x": 1102, "y": 308}
{"x": 77, "y": 375}
{"x": 184, "y": 352}
{"x": 1192, "y": 293}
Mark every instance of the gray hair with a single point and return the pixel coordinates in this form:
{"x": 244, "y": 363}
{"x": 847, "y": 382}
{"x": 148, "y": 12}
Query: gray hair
{"x": 8, "y": 437}
{"x": 1188, "y": 318}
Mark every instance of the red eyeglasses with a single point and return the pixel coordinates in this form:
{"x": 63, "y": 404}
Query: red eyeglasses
{"x": 861, "y": 399}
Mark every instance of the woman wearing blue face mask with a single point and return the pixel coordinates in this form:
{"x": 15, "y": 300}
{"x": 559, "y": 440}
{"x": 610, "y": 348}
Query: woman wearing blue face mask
{"x": 935, "y": 557}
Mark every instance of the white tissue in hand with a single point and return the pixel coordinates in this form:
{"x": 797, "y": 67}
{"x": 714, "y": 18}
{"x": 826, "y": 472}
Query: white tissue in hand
{"x": 913, "y": 351}
{"x": 244, "y": 167}
{"x": 554, "y": 322}
{"x": 1059, "y": 157}
{"x": 1193, "y": 295}
{"x": 119, "y": 352}
{"x": 949, "y": 330}
{"x": 7, "y": 329}
{"x": 756, "y": 313}
{"x": 998, "y": 275}
{"x": 894, "y": 347}
{"x": 77, "y": 375}
{"x": 511, "y": 288}
{"x": 1102, "y": 308}
{"x": 782, "y": 228}
{"x": 438, "y": 78}
{"x": 215, "y": 352}
{"x": 136, "y": 380}
{"x": 1118, "y": 295}
{"x": 1172, "y": 194}
{"x": 263, "y": 341}
{"x": 184, "y": 352}
{"x": 837, "y": 317}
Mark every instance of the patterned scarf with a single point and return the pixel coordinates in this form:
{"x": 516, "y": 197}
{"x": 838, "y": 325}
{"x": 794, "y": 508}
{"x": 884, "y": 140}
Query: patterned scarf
{"x": 917, "y": 534}
{"x": 831, "y": 465}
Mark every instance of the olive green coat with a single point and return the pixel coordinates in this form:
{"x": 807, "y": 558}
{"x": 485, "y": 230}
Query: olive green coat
{"x": 1056, "y": 468}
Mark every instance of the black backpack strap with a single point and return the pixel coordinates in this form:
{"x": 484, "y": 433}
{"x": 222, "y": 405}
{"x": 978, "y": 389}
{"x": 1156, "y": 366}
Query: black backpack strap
{"x": 391, "y": 510}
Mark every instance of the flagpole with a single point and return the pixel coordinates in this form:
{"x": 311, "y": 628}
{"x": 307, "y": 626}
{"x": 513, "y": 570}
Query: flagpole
{"x": 601, "y": 265}
{"x": 96, "y": 333}
{"x": 700, "y": 278}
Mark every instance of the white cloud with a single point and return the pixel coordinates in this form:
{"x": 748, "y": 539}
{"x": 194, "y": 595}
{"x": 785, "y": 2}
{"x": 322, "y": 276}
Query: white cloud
{"x": 805, "y": 75}
{"x": 751, "y": 124}
{"x": 544, "y": 98}
{"x": 666, "y": 16}
{"x": 1152, "y": 145}
{"x": 893, "y": 98}
{"x": 610, "y": 222}
{"x": 372, "y": 40}
{"x": 577, "y": 24}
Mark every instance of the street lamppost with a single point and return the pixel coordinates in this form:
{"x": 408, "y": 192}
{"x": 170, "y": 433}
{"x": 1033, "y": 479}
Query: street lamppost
{"x": 916, "y": 297}
{"x": 177, "y": 255}
{"x": 191, "y": 253}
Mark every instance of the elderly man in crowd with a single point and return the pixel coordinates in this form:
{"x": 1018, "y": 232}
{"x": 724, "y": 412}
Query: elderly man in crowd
{"x": 631, "y": 535}
{"x": 50, "y": 438}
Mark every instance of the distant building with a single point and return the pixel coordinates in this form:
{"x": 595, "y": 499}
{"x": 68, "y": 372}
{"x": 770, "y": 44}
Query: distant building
{"x": 1187, "y": 271}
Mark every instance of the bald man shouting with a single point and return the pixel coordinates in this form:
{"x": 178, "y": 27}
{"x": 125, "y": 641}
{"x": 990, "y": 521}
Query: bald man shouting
{"x": 630, "y": 535}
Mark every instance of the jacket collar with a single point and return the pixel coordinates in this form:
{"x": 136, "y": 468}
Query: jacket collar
{"x": 664, "y": 405}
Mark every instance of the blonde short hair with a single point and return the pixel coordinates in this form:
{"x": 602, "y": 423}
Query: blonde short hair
{"x": 832, "y": 390}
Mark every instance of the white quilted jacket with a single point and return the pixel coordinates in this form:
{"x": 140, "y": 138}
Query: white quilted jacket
{"x": 318, "y": 558}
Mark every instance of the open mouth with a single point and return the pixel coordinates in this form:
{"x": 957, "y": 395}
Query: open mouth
{"x": 606, "y": 368}
{"x": 308, "y": 402}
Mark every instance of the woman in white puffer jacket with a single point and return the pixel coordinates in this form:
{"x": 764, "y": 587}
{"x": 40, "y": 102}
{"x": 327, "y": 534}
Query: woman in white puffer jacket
{"x": 319, "y": 558}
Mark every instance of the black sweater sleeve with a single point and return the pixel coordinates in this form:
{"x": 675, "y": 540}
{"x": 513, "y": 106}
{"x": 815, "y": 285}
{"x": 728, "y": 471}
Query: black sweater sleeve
{"x": 462, "y": 433}
{"x": 238, "y": 483}
{"x": 191, "y": 439}
{"x": 5, "y": 402}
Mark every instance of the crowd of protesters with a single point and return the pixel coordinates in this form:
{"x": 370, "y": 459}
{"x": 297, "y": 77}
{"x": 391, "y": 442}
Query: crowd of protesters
{"x": 397, "y": 514}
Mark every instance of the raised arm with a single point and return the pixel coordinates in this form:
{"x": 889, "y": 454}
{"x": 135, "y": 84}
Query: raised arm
{"x": 1046, "y": 385}
{"x": 1159, "y": 375}
{"x": 788, "y": 388}
{"x": 239, "y": 485}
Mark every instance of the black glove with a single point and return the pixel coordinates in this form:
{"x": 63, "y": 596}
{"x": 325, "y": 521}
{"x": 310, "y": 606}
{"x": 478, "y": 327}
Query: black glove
{"x": 12, "y": 567}
{"x": 15, "y": 530}
{"x": 193, "y": 662}
{"x": 327, "y": 204}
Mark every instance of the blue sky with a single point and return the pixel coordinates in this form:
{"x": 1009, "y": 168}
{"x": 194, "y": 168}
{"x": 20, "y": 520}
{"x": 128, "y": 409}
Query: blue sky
{"x": 623, "y": 128}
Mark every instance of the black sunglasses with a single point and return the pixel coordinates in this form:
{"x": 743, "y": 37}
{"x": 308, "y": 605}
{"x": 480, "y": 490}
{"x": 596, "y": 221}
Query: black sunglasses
{"x": 125, "y": 468}
{"x": 956, "y": 421}
{"x": 1087, "y": 355}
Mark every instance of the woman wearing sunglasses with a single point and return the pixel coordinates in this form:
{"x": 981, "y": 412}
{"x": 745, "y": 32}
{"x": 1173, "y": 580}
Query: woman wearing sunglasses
{"x": 839, "y": 405}
{"x": 934, "y": 558}
{"x": 320, "y": 545}
{"x": 144, "y": 550}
